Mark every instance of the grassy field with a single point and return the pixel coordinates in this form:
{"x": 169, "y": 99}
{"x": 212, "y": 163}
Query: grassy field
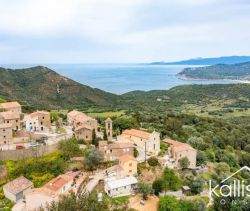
{"x": 106, "y": 114}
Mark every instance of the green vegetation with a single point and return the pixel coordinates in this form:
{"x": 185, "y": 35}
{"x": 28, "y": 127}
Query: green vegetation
{"x": 184, "y": 162}
{"x": 41, "y": 88}
{"x": 70, "y": 148}
{"x": 153, "y": 161}
{"x": 92, "y": 158}
{"x": 86, "y": 202}
{"x": 219, "y": 71}
{"x": 144, "y": 189}
{"x": 170, "y": 203}
{"x": 39, "y": 170}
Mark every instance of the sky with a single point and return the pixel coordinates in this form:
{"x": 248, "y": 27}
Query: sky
{"x": 121, "y": 31}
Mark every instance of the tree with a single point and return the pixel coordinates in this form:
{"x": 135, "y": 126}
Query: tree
{"x": 158, "y": 186}
{"x": 144, "y": 189}
{"x": 80, "y": 201}
{"x": 92, "y": 158}
{"x": 171, "y": 180}
{"x": 201, "y": 158}
{"x": 153, "y": 161}
{"x": 105, "y": 137}
{"x": 168, "y": 203}
{"x": 135, "y": 152}
{"x": 94, "y": 138}
{"x": 184, "y": 162}
{"x": 69, "y": 148}
{"x": 196, "y": 185}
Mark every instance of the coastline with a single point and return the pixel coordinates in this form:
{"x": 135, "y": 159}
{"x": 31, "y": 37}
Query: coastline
{"x": 188, "y": 78}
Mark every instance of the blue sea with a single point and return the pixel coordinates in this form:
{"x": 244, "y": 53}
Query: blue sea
{"x": 122, "y": 78}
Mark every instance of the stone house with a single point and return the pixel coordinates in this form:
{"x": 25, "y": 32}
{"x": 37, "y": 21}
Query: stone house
{"x": 76, "y": 118}
{"x": 142, "y": 139}
{"x": 84, "y": 132}
{"x": 17, "y": 189}
{"x": 5, "y": 133}
{"x": 120, "y": 187}
{"x": 128, "y": 165}
{"x": 12, "y": 118}
{"x": 111, "y": 152}
{"x": 178, "y": 150}
{"x": 14, "y": 107}
{"x": 38, "y": 121}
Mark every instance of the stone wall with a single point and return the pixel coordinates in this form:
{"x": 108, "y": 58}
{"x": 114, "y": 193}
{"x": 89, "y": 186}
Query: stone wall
{"x": 26, "y": 153}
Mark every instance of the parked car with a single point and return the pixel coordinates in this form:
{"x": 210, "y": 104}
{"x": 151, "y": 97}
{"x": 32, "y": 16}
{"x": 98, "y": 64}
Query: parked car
{"x": 44, "y": 138}
{"x": 40, "y": 141}
{"x": 20, "y": 147}
{"x": 35, "y": 144}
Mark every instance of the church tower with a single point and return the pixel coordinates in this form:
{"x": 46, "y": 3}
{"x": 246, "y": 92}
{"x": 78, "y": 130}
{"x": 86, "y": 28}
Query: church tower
{"x": 109, "y": 129}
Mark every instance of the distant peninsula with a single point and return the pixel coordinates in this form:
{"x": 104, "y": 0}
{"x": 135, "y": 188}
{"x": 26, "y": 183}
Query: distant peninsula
{"x": 239, "y": 71}
{"x": 208, "y": 61}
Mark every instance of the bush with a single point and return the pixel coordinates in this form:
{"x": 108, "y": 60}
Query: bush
{"x": 153, "y": 161}
{"x": 158, "y": 186}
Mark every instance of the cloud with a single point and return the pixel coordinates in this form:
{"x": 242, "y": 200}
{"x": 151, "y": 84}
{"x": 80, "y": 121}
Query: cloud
{"x": 121, "y": 31}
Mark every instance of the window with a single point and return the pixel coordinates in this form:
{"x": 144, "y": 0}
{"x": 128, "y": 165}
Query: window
{"x": 43, "y": 117}
{"x": 130, "y": 164}
{"x": 3, "y": 130}
{"x": 154, "y": 146}
{"x": 8, "y": 121}
{"x": 130, "y": 171}
{"x": 41, "y": 123}
{"x": 4, "y": 136}
{"x": 17, "y": 120}
{"x": 4, "y": 142}
{"x": 86, "y": 137}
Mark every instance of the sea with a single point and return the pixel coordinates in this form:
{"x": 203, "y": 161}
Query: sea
{"x": 122, "y": 78}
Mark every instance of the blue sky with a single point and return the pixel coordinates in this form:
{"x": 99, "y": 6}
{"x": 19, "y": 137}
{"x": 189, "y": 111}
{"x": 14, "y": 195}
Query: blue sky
{"x": 106, "y": 31}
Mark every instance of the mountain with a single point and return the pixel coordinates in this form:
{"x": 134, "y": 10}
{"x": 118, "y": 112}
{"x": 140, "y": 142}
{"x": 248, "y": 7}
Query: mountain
{"x": 239, "y": 71}
{"x": 208, "y": 61}
{"x": 41, "y": 87}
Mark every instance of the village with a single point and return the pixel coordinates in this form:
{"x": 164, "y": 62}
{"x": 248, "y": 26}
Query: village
{"x": 127, "y": 152}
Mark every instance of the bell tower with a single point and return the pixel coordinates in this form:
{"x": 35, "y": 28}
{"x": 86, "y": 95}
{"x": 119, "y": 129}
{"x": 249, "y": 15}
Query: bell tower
{"x": 109, "y": 129}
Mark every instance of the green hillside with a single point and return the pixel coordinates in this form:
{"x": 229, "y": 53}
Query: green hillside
{"x": 41, "y": 87}
{"x": 239, "y": 71}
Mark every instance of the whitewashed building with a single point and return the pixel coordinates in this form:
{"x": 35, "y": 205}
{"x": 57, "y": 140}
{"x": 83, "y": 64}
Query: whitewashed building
{"x": 120, "y": 187}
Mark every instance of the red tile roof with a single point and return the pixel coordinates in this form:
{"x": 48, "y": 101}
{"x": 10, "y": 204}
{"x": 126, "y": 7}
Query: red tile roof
{"x": 10, "y": 105}
{"x": 125, "y": 158}
{"x": 178, "y": 145}
{"x": 137, "y": 133}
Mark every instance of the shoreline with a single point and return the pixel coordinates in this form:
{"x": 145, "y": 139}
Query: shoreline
{"x": 188, "y": 78}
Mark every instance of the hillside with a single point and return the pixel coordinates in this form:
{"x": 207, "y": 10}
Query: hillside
{"x": 236, "y": 94}
{"x": 41, "y": 87}
{"x": 209, "y": 61}
{"x": 239, "y": 71}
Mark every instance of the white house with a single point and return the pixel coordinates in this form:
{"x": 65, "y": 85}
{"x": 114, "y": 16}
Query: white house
{"x": 120, "y": 187}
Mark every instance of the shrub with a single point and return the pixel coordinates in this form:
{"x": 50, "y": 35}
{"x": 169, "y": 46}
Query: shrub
{"x": 153, "y": 161}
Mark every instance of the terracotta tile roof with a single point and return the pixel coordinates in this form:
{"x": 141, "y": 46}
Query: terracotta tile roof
{"x": 179, "y": 146}
{"x": 9, "y": 115}
{"x": 58, "y": 182}
{"x": 73, "y": 113}
{"x": 35, "y": 114}
{"x": 84, "y": 126}
{"x": 82, "y": 117}
{"x": 137, "y": 133}
{"x": 125, "y": 158}
{"x": 3, "y": 126}
{"x": 102, "y": 143}
{"x": 10, "y": 105}
{"x": 18, "y": 185}
{"x": 121, "y": 145}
